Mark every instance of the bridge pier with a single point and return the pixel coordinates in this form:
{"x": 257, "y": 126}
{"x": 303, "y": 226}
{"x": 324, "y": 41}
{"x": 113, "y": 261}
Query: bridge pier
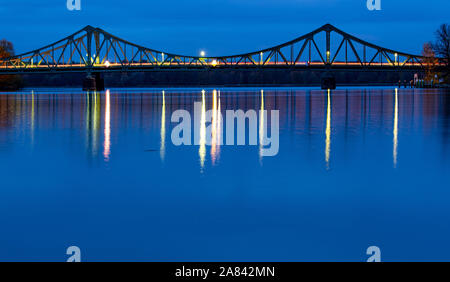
{"x": 328, "y": 81}
{"x": 93, "y": 82}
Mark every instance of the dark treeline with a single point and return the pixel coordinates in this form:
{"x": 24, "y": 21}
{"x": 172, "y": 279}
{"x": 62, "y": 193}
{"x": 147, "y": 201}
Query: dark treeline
{"x": 439, "y": 48}
{"x": 8, "y": 82}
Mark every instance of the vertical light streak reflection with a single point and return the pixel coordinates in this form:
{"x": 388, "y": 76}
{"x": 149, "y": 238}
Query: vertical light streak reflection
{"x": 93, "y": 117}
{"x": 395, "y": 132}
{"x": 261, "y": 128}
{"x": 107, "y": 132}
{"x": 328, "y": 131}
{"x": 202, "y": 141}
{"x": 162, "y": 149}
{"x": 214, "y": 128}
{"x": 219, "y": 127}
{"x": 88, "y": 118}
{"x": 96, "y": 123}
{"x": 32, "y": 118}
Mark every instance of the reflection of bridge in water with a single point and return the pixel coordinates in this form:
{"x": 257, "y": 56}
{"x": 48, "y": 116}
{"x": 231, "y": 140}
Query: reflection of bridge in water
{"x": 310, "y": 118}
{"x": 325, "y": 49}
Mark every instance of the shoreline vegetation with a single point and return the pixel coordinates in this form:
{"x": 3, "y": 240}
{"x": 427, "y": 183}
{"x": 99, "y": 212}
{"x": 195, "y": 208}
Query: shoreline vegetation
{"x": 437, "y": 52}
{"x": 9, "y": 82}
{"x": 430, "y": 77}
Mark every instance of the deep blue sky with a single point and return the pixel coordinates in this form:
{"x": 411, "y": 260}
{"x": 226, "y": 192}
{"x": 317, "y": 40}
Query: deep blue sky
{"x": 222, "y": 27}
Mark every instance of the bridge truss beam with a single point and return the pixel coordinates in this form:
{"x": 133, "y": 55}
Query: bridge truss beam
{"x": 93, "y": 49}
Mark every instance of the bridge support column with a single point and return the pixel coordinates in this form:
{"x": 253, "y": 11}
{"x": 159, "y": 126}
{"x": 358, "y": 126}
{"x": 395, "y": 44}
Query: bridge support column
{"x": 93, "y": 82}
{"x": 328, "y": 81}
{"x": 99, "y": 82}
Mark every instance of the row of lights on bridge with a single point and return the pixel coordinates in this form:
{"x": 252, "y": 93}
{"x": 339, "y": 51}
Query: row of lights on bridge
{"x": 202, "y": 54}
{"x": 214, "y": 61}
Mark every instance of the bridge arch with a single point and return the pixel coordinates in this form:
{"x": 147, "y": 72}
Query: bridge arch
{"x": 93, "y": 49}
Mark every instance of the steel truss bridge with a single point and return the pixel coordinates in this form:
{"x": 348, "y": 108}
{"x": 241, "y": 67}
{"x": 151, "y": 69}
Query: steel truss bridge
{"x": 95, "y": 50}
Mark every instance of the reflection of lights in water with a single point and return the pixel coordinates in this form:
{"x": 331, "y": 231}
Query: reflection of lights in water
{"x": 88, "y": 116}
{"x": 215, "y": 127}
{"x": 328, "y": 131}
{"x": 202, "y": 141}
{"x": 162, "y": 149}
{"x": 261, "y": 127}
{"x": 96, "y": 123}
{"x": 219, "y": 126}
{"x": 107, "y": 144}
{"x": 32, "y": 117}
{"x": 395, "y": 141}
{"x": 92, "y": 121}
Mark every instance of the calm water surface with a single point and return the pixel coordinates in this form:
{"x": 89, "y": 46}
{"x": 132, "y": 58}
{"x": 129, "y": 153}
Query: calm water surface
{"x": 355, "y": 168}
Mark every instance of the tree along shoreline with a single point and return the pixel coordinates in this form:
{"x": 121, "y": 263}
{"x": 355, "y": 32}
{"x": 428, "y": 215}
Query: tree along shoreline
{"x": 9, "y": 82}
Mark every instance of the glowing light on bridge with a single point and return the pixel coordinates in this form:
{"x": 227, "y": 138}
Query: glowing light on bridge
{"x": 107, "y": 64}
{"x": 214, "y": 63}
{"x": 202, "y": 53}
